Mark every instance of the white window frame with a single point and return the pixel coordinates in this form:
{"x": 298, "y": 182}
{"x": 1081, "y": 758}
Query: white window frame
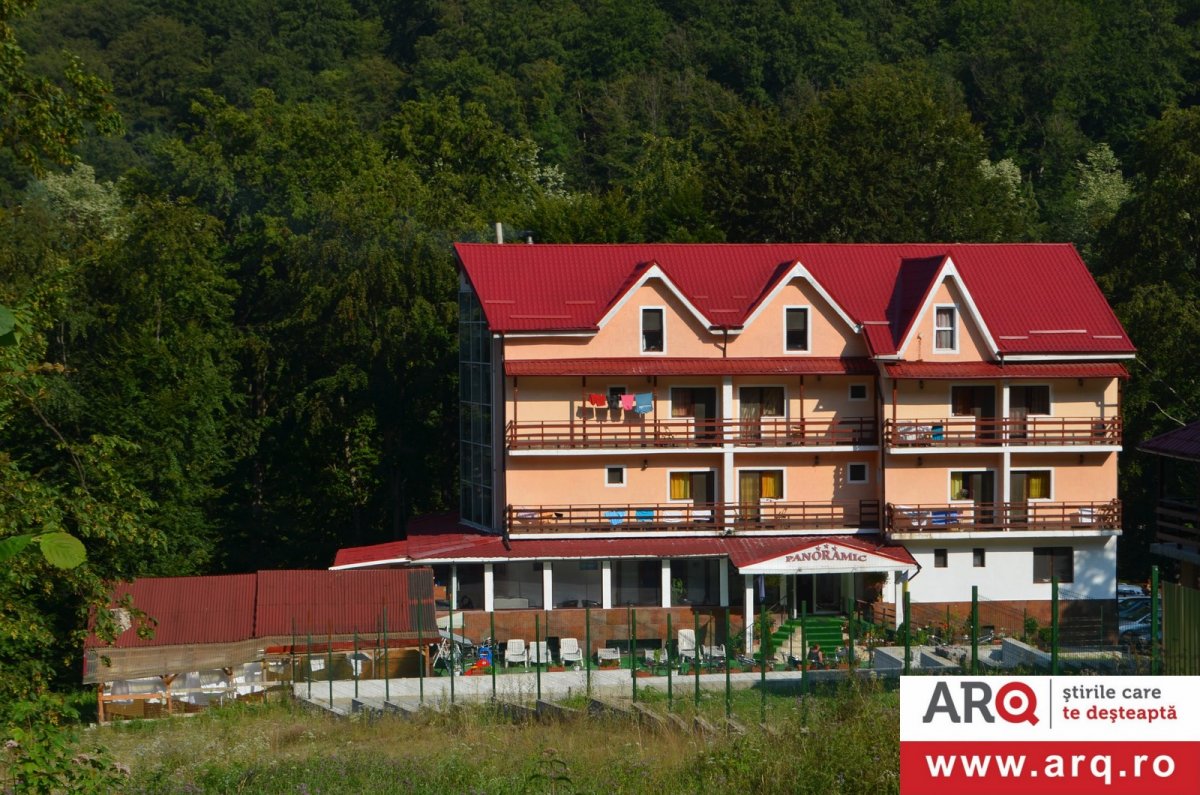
{"x": 1049, "y": 398}
{"x": 689, "y": 500}
{"x": 1050, "y": 470}
{"x": 955, "y": 329}
{"x": 624, "y": 479}
{"x": 950, "y": 482}
{"x": 808, "y": 317}
{"x": 866, "y": 472}
{"x": 866, "y": 393}
{"x": 642, "y": 330}
{"x": 737, "y": 481}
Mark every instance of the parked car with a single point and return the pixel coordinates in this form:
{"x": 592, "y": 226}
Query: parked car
{"x": 1132, "y": 607}
{"x": 1136, "y": 633}
{"x": 1125, "y": 589}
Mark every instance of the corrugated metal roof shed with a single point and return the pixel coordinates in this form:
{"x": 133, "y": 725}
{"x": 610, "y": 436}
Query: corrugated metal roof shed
{"x": 951, "y": 370}
{"x": 790, "y": 365}
{"x": 1034, "y": 297}
{"x": 189, "y": 610}
{"x": 1180, "y": 443}
{"x": 341, "y": 602}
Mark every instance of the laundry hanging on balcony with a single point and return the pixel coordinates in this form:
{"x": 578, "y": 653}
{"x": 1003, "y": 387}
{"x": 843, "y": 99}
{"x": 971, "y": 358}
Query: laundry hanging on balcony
{"x": 598, "y": 400}
{"x": 614, "y": 402}
{"x": 643, "y": 402}
{"x": 627, "y": 402}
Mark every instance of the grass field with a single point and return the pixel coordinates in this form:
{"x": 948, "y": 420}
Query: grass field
{"x": 844, "y": 740}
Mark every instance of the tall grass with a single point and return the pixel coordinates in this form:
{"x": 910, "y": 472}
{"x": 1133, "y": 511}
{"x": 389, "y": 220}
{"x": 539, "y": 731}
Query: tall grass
{"x": 844, "y": 740}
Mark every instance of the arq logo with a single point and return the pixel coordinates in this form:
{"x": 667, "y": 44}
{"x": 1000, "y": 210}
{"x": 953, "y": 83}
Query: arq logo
{"x": 1014, "y": 702}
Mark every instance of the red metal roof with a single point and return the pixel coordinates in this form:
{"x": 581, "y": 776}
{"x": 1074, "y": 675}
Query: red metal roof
{"x": 742, "y": 550}
{"x": 1180, "y": 443}
{"x": 935, "y": 370}
{"x": 1033, "y": 297}
{"x": 795, "y": 365}
{"x": 189, "y": 610}
{"x": 230, "y": 608}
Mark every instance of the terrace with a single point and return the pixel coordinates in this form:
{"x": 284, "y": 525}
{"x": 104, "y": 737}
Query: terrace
{"x": 677, "y": 517}
{"x": 1014, "y": 516}
{"x": 1024, "y": 432}
{"x": 690, "y": 432}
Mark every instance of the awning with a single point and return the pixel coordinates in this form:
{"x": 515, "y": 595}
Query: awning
{"x": 662, "y": 366}
{"x": 946, "y": 370}
{"x": 818, "y": 555}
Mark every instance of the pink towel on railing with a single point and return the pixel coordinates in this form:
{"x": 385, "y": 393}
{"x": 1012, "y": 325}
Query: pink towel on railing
{"x": 627, "y": 402}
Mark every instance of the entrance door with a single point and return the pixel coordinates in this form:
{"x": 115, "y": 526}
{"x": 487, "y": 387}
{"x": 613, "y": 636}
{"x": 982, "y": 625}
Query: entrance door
{"x": 699, "y": 488}
{"x": 699, "y": 403}
{"x": 979, "y": 488}
{"x": 756, "y": 402}
{"x": 1023, "y": 487}
{"x": 978, "y": 402}
{"x": 821, "y": 592}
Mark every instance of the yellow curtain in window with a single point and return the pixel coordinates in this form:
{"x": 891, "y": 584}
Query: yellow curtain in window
{"x": 1039, "y": 485}
{"x": 681, "y": 486}
{"x": 772, "y": 485}
{"x": 958, "y": 485}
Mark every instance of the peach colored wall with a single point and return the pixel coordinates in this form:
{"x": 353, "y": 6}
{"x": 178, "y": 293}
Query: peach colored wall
{"x": 971, "y": 345}
{"x": 1067, "y": 397}
{"x": 828, "y": 333}
{"x": 580, "y": 481}
{"x": 929, "y": 483}
{"x": 819, "y": 478}
{"x": 830, "y": 395}
{"x": 1093, "y": 480}
{"x": 622, "y": 335}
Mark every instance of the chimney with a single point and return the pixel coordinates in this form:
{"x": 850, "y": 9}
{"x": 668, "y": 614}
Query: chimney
{"x": 499, "y": 232}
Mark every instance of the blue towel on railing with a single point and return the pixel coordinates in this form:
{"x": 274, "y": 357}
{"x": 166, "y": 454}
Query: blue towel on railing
{"x": 643, "y": 402}
{"x": 644, "y": 514}
{"x": 614, "y": 517}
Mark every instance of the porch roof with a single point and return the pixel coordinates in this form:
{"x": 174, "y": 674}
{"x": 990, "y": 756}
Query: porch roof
{"x": 635, "y": 366}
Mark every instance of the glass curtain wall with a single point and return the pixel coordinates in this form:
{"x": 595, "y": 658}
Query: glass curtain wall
{"x": 475, "y": 412}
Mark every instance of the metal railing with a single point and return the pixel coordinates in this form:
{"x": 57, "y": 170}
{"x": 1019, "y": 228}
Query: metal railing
{"x": 1178, "y": 521}
{"x": 766, "y": 515}
{"x": 689, "y": 432}
{"x": 925, "y": 518}
{"x": 1028, "y": 431}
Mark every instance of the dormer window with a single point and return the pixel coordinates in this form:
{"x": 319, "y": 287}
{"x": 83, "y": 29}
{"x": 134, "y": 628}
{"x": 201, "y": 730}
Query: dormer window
{"x": 945, "y": 329}
{"x": 796, "y": 329}
{"x": 652, "y": 330}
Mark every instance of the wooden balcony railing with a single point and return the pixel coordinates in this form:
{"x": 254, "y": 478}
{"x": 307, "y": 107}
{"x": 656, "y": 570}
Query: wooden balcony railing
{"x": 767, "y": 515}
{"x": 1031, "y": 431}
{"x": 1178, "y": 521}
{"x": 1004, "y": 516}
{"x": 688, "y": 432}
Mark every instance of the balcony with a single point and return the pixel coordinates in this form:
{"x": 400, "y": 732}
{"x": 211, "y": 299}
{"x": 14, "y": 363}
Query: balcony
{"x": 677, "y": 517}
{"x": 689, "y": 432}
{"x": 1027, "y": 432}
{"x": 1178, "y": 521}
{"x": 990, "y": 516}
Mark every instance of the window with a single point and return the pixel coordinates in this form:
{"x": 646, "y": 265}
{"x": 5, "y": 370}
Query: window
{"x": 939, "y": 558}
{"x": 858, "y": 391}
{"x": 945, "y": 329}
{"x": 760, "y": 484}
{"x": 979, "y": 557}
{"x": 1053, "y": 562}
{"x": 795, "y": 328}
{"x": 856, "y": 473}
{"x": 1026, "y": 400}
{"x": 975, "y": 485}
{"x": 1029, "y": 485}
{"x": 614, "y": 476}
{"x": 652, "y": 331}
{"x": 700, "y": 487}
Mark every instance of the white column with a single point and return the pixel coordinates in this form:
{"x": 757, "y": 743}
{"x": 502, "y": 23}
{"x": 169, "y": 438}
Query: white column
{"x": 728, "y": 481}
{"x": 749, "y": 578}
{"x": 666, "y": 583}
{"x": 723, "y": 582}
{"x": 1002, "y": 488}
{"x": 453, "y": 586}
{"x": 794, "y": 602}
{"x": 489, "y": 587}
{"x": 547, "y": 585}
{"x": 606, "y": 584}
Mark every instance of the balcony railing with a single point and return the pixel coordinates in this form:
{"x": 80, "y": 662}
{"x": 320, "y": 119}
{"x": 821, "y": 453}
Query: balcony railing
{"x": 1004, "y": 516}
{"x": 689, "y": 432}
{"x": 1031, "y": 431}
{"x": 668, "y": 517}
{"x": 1178, "y": 521}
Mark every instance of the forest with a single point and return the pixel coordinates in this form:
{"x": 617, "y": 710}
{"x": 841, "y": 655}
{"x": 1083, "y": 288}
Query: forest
{"x": 227, "y": 291}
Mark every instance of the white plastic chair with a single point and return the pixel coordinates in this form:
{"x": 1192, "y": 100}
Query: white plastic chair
{"x": 539, "y": 655}
{"x": 687, "y": 646}
{"x": 714, "y": 654}
{"x": 515, "y": 651}
{"x": 569, "y": 651}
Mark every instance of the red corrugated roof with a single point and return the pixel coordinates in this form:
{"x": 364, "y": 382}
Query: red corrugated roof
{"x": 189, "y": 609}
{"x": 230, "y": 608}
{"x": 1033, "y": 297}
{"x": 934, "y": 370}
{"x": 1180, "y": 443}
{"x": 742, "y": 550}
{"x": 794, "y": 365}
